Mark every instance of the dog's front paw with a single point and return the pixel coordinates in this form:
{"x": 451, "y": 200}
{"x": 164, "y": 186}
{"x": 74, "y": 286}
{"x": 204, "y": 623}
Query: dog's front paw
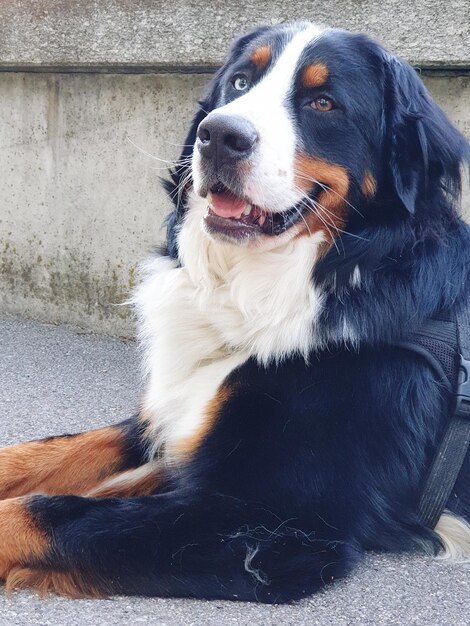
{"x": 24, "y": 551}
{"x": 21, "y": 539}
{"x": 44, "y": 581}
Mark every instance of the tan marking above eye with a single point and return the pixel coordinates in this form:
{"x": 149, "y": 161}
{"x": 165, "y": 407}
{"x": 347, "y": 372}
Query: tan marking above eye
{"x": 315, "y": 75}
{"x": 261, "y": 56}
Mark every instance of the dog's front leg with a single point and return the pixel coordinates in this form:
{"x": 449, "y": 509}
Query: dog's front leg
{"x": 181, "y": 543}
{"x": 102, "y": 462}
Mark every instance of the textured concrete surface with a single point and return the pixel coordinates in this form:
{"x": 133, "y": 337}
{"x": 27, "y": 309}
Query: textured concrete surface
{"x": 80, "y": 205}
{"x": 453, "y": 96}
{"x": 58, "y": 379}
{"x": 195, "y": 33}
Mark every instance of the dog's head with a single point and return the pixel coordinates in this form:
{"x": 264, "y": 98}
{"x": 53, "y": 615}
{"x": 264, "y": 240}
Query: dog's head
{"x": 307, "y": 129}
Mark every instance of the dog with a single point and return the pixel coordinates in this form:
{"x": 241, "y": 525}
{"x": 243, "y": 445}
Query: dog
{"x": 283, "y": 431}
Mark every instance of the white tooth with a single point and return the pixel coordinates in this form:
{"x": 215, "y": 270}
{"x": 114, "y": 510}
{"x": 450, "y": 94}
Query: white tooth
{"x": 262, "y": 218}
{"x": 209, "y": 197}
{"x": 247, "y": 210}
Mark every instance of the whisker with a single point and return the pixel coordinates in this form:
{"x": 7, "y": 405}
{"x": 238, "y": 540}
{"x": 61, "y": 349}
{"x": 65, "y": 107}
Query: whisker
{"x": 327, "y": 188}
{"x": 178, "y": 192}
{"x": 333, "y": 239}
{"x": 178, "y": 145}
{"x": 328, "y": 224}
{"x": 317, "y": 208}
{"x": 173, "y": 163}
{"x": 321, "y": 207}
{"x": 304, "y": 220}
{"x": 160, "y": 169}
{"x": 340, "y": 230}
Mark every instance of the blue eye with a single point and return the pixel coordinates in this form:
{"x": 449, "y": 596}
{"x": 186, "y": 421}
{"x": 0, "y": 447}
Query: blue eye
{"x": 240, "y": 82}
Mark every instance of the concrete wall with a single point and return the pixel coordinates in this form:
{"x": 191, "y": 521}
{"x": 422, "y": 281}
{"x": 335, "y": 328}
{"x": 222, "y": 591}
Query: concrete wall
{"x": 80, "y": 204}
{"x": 82, "y": 82}
{"x": 179, "y": 34}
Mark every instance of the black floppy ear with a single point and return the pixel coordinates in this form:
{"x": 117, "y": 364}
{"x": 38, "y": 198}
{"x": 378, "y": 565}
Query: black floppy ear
{"x": 425, "y": 151}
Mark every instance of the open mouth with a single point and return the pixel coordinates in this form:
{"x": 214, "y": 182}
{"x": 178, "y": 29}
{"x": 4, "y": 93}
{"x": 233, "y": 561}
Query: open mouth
{"x": 237, "y": 218}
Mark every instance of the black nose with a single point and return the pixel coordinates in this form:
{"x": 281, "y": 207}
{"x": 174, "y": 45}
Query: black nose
{"x": 225, "y": 138}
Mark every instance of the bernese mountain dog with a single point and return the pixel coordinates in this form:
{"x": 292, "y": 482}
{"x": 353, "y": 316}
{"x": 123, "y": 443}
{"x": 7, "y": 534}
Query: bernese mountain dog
{"x": 283, "y": 430}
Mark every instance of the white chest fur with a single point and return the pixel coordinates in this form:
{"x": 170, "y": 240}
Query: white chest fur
{"x": 200, "y": 321}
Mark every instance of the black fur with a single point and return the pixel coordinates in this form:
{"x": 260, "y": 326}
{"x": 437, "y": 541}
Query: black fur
{"x": 310, "y": 464}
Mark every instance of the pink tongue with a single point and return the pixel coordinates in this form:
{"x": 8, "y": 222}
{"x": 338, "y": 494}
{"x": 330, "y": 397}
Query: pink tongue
{"x": 226, "y": 204}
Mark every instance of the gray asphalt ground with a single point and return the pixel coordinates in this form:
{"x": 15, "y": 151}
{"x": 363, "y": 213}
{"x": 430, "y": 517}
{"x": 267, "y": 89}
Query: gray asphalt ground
{"x": 60, "y": 379}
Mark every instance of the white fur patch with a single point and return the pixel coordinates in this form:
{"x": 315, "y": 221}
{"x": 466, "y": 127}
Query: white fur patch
{"x": 355, "y": 280}
{"x": 125, "y": 479}
{"x": 228, "y": 303}
{"x": 454, "y": 532}
{"x": 225, "y": 304}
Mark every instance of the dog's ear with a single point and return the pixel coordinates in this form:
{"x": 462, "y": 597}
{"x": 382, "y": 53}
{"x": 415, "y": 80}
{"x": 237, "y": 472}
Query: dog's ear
{"x": 423, "y": 148}
{"x": 179, "y": 178}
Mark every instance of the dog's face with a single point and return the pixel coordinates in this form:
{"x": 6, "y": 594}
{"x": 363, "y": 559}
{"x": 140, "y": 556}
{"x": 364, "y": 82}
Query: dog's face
{"x": 305, "y": 129}
{"x": 292, "y": 130}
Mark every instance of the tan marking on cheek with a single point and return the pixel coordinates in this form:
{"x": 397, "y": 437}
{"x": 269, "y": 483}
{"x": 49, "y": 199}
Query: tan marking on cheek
{"x": 309, "y": 170}
{"x": 185, "y": 448}
{"x": 315, "y": 75}
{"x": 331, "y": 212}
{"x": 261, "y": 56}
{"x": 369, "y": 185}
{"x": 22, "y": 541}
{"x": 60, "y": 465}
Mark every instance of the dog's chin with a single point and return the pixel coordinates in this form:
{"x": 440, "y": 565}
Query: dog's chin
{"x": 234, "y": 219}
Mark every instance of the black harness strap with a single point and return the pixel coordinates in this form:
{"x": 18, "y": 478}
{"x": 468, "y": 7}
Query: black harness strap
{"x": 455, "y": 442}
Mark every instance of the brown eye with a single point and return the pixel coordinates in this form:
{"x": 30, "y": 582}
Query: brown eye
{"x": 323, "y": 104}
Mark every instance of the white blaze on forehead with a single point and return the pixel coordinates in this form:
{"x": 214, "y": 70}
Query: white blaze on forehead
{"x": 265, "y": 106}
{"x": 279, "y": 79}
